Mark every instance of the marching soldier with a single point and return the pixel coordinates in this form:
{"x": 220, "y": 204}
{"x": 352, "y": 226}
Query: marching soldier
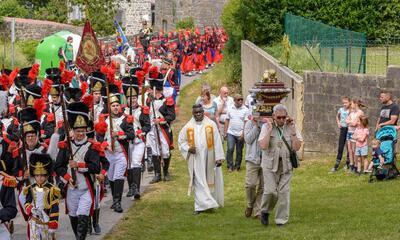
{"x": 119, "y": 132}
{"x": 8, "y": 206}
{"x": 97, "y": 81}
{"x": 77, "y": 161}
{"x": 162, "y": 113}
{"x": 141, "y": 125}
{"x": 42, "y": 199}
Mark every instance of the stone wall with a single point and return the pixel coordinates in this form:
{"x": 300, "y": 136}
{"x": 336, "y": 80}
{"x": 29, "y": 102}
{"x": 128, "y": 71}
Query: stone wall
{"x": 35, "y": 29}
{"x": 322, "y": 99}
{"x": 255, "y": 61}
{"x": 204, "y": 12}
{"x": 133, "y": 11}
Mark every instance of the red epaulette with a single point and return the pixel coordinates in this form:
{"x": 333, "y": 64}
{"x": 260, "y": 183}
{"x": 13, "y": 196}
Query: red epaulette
{"x": 96, "y": 146}
{"x": 15, "y": 121}
{"x": 129, "y": 118}
{"x": 145, "y": 110}
{"x": 169, "y": 101}
{"x": 62, "y": 144}
{"x": 50, "y": 117}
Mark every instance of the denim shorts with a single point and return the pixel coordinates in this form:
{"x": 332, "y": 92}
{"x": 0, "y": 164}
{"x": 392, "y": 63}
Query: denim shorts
{"x": 362, "y": 151}
{"x": 349, "y": 136}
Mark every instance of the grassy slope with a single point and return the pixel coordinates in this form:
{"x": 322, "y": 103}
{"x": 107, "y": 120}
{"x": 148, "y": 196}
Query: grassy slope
{"x": 324, "y": 206}
{"x": 20, "y": 59}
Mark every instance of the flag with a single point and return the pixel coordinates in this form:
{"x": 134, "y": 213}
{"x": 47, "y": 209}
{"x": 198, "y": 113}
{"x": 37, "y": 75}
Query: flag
{"x": 90, "y": 56}
{"x": 122, "y": 41}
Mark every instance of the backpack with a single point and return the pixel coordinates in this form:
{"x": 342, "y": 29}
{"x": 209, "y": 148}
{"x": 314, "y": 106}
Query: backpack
{"x": 60, "y": 51}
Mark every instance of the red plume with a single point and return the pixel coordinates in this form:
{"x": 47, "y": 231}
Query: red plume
{"x": 67, "y": 76}
{"x": 140, "y": 77}
{"x": 146, "y": 67}
{"x": 39, "y": 105}
{"x": 84, "y": 87}
{"x": 4, "y": 81}
{"x": 88, "y": 100}
{"x": 101, "y": 127}
{"x": 12, "y": 76}
{"x": 109, "y": 71}
{"x": 153, "y": 72}
{"x": 33, "y": 72}
{"x": 62, "y": 66}
{"x": 118, "y": 83}
{"x": 104, "y": 69}
{"x": 46, "y": 87}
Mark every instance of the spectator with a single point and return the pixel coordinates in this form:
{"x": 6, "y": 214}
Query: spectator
{"x": 207, "y": 87}
{"x": 223, "y": 101}
{"x": 210, "y": 107}
{"x": 68, "y": 53}
{"x": 236, "y": 117}
{"x": 342, "y": 125}
{"x": 389, "y": 111}
{"x": 352, "y": 121}
{"x": 361, "y": 137}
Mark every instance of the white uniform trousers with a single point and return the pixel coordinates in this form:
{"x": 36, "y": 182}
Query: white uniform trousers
{"x": 153, "y": 142}
{"x": 118, "y": 165}
{"x": 79, "y": 202}
{"x": 136, "y": 151}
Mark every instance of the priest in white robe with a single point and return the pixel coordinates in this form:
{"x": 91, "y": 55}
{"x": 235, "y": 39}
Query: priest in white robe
{"x": 200, "y": 144}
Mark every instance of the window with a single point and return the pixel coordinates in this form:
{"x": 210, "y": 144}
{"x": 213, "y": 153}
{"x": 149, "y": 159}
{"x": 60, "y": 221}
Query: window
{"x": 164, "y": 25}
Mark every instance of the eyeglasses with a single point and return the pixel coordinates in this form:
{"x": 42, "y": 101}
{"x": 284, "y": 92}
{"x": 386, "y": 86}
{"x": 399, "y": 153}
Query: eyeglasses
{"x": 281, "y": 117}
{"x": 240, "y": 99}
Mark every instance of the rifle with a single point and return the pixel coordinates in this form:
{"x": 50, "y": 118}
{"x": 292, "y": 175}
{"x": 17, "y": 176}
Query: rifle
{"x": 130, "y": 113}
{"x": 109, "y": 115}
{"x": 67, "y": 130}
{"x": 24, "y": 147}
{"x": 157, "y": 130}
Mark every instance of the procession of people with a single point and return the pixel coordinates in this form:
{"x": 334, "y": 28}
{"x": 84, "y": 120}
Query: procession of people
{"x": 72, "y": 134}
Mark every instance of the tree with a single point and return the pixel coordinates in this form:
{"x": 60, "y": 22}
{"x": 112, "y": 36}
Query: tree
{"x": 12, "y": 8}
{"x": 54, "y": 10}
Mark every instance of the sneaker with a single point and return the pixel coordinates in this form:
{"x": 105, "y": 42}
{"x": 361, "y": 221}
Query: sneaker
{"x": 333, "y": 170}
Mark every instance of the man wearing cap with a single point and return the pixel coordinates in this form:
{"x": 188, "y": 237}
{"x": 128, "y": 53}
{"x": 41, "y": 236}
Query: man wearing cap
{"x": 236, "y": 118}
{"x": 276, "y": 166}
{"x": 118, "y": 138}
{"x": 77, "y": 166}
{"x": 141, "y": 125}
{"x": 162, "y": 113}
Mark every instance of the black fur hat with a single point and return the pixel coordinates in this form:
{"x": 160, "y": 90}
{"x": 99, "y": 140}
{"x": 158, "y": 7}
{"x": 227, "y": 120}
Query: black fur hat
{"x": 40, "y": 164}
{"x": 78, "y": 115}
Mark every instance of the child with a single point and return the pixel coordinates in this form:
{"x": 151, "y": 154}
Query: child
{"x": 42, "y": 199}
{"x": 360, "y": 135}
{"x": 342, "y": 125}
{"x": 352, "y": 120}
{"x": 377, "y": 154}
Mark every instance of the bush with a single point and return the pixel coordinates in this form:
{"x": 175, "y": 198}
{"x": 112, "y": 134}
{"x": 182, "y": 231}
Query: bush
{"x": 28, "y": 48}
{"x": 11, "y": 8}
{"x": 186, "y": 23}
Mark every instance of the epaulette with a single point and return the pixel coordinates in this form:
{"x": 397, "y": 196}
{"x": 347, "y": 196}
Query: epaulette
{"x": 10, "y": 181}
{"x": 96, "y": 146}
{"x": 169, "y": 101}
{"x": 62, "y": 144}
{"x": 129, "y": 118}
{"x": 25, "y": 190}
{"x": 145, "y": 110}
{"x": 50, "y": 117}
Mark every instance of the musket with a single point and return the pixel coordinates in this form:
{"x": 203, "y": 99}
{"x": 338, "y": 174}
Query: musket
{"x": 133, "y": 123}
{"x": 67, "y": 130}
{"x": 91, "y": 92}
{"x": 109, "y": 115}
{"x": 157, "y": 129}
{"x": 24, "y": 146}
{"x": 52, "y": 103}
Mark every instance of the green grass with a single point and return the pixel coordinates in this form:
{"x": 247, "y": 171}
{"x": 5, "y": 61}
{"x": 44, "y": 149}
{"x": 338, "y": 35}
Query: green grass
{"x": 323, "y": 206}
{"x": 301, "y": 60}
{"x": 24, "y": 54}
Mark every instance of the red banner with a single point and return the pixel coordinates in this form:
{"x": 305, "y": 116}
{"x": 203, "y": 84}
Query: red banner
{"x": 90, "y": 56}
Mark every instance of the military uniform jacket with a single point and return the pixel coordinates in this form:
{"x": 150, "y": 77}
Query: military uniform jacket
{"x": 123, "y": 124}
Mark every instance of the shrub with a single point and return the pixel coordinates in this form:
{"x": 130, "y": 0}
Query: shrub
{"x": 185, "y": 23}
{"x": 28, "y": 48}
{"x": 11, "y": 8}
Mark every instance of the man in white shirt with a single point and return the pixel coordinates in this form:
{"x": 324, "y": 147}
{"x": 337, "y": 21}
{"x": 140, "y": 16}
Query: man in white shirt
{"x": 223, "y": 101}
{"x": 236, "y": 117}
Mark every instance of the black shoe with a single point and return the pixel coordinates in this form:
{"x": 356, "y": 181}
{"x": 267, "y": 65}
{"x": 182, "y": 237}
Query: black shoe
{"x": 97, "y": 230}
{"x": 118, "y": 207}
{"x": 166, "y": 177}
{"x": 264, "y": 218}
{"x": 130, "y": 183}
{"x": 157, "y": 170}
{"x": 156, "y": 178}
{"x": 74, "y": 224}
{"x": 119, "y": 189}
{"x": 137, "y": 175}
{"x": 95, "y": 220}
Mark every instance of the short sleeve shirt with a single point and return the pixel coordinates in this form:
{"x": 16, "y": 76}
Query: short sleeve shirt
{"x": 387, "y": 111}
{"x": 237, "y": 118}
{"x": 343, "y": 113}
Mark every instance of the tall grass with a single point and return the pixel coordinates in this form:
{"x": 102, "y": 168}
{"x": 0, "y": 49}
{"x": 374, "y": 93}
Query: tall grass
{"x": 24, "y": 54}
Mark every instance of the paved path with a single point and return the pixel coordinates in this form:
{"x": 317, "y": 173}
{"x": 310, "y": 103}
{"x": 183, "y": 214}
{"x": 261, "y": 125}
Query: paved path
{"x": 108, "y": 218}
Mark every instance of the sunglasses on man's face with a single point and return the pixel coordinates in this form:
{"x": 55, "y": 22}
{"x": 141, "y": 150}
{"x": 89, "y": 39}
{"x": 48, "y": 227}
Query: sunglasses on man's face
{"x": 240, "y": 99}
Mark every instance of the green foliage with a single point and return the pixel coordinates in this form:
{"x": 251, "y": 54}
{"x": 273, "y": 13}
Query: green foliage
{"x": 12, "y": 8}
{"x": 28, "y": 48}
{"x": 101, "y": 14}
{"x": 78, "y": 22}
{"x": 185, "y": 23}
{"x": 20, "y": 59}
{"x": 55, "y": 10}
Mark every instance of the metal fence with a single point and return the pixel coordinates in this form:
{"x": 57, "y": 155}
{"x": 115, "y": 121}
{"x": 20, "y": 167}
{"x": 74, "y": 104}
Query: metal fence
{"x": 339, "y": 50}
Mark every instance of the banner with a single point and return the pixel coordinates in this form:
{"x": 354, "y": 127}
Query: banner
{"x": 89, "y": 57}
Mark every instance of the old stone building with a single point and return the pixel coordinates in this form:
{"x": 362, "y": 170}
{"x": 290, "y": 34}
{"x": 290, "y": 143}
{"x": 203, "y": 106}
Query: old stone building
{"x": 204, "y": 12}
{"x": 128, "y": 12}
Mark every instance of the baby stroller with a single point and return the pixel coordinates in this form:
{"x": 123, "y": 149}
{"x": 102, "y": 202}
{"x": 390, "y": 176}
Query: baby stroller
{"x": 387, "y": 135}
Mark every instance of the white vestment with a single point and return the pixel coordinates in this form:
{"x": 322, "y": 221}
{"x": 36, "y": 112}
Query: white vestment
{"x": 205, "y": 178}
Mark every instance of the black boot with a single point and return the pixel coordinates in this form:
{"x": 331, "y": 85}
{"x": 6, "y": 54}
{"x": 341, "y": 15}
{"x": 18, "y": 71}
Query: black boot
{"x": 150, "y": 166}
{"x": 136, "y": 182}
{"x": 82, "y": 228}
{"x": 74, "y": 224}
{"x": 89, "y": 231}
{"x": 96, "y": 225}
{"x": 165, "y": 169}
{"x": 157, "y": 170}
{"x": 118, "y": 190}
{"x": 112, "y": 193}
{"x": 131, "y": 183}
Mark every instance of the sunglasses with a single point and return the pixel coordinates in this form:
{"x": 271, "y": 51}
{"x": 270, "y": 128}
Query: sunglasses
{"x": 281, "y": 117}
{"x": 240, "y": 99}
